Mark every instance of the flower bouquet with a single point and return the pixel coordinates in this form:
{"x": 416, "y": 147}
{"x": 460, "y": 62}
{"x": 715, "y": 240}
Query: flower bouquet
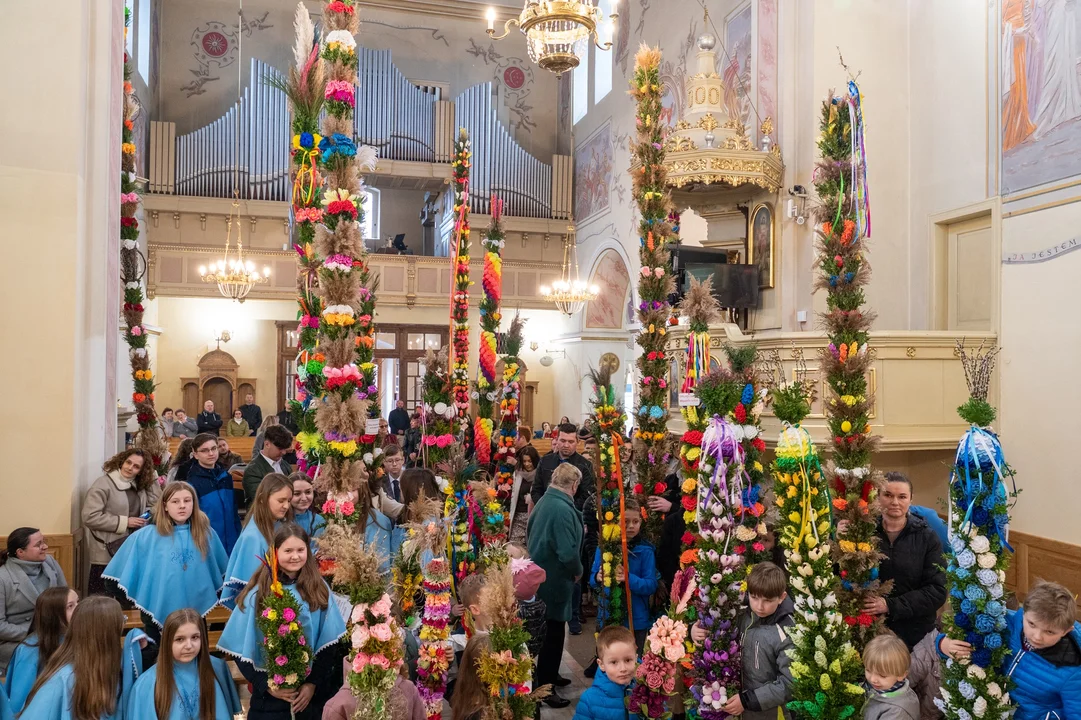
{"x": 491, "y": 525}
{"x": 459, "y": 300}
{"x": 510, "y": 392}
{"x": 288, "y": 658}
{"x": 978, "y": 557}
{"x": 435, "y": 650}
{"x": 437, "y": 437}
{"x": 664, "y": 651}
{"x": 717, "y": 662}
{"x": 492, "y": 283}
{"x": 375, "y": 657}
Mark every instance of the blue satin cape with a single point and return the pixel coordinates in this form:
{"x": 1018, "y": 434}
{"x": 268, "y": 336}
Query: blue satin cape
{"x": 139, "y": 701}
{"x": 247, "y": 557}
{"x": 313, "y": 523}
{"x": 5, "y": 707}
{"x": 22, "y": 673}
{"x": 163, "y": 573}
{"x": 241, "y": 638}
{"x": 53, "y": 700}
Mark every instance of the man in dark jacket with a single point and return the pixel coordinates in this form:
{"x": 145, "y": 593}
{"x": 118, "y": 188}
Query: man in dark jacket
{"x": 399, "y": 420}
{"x": 276, "y": 442}
{"x": 555, "y": 539}
{"x": 913, "y": 561}
{"x": 252, "y": 413}
{"x": 208, "y": 421}
{"x": 411, "y": 443}
{"x": 564, "y": 450}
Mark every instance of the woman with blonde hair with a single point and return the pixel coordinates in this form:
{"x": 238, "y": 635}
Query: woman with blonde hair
{"x": 271, "y": 508}
{"x": 177, "y": 562}
{"x": 185, "y": 682}
{"x": 82, "y": 679}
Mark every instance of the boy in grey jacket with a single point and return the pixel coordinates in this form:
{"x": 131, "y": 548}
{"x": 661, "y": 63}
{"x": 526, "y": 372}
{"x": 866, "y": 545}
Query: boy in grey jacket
{"x": 889, "y": 696}
{"x": 767, "y": 680}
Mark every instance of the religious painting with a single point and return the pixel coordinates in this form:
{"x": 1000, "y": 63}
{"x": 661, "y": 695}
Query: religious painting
{"x": 610, "y": 274}
{"x": 767, "y": 63}
{"x": 736, "y": 64}
{"x": 1040, "y": 91}
{"x": 676, "y": 371}
{"x": 760, "y": 245}
{"x": 593, "y": 173}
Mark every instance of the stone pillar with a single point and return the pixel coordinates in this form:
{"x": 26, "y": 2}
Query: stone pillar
{"x": 59, "y": 175}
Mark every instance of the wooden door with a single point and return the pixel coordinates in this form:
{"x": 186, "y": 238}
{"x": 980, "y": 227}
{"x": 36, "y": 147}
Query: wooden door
{"x": 970, "y": 290}
{"x": 221, "y": 392}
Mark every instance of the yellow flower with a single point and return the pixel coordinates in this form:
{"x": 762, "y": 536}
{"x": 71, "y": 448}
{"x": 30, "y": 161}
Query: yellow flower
{"x": 757, "y": 466}
{"x": 690, "y": 516}
{"x": 824, "y": 682}
{"x": 693, "y": 454}
{"x": 607, "y": 557}
{"x": 794, "y": 517}
{"x": 272, "y": 614}
{"x": 847, "y": 546}
{"x": 689, "y": 485}
{"x": 864, "y": 547}
{"x": 609, "y": 516}
{"x": 791, "y": 491}
{"x": 811, "y": 542}
{"x": 846, "y": 426}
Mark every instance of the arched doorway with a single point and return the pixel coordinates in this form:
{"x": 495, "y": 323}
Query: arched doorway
{"x": 221, "y": 392}
{"x": 218, "y": 381}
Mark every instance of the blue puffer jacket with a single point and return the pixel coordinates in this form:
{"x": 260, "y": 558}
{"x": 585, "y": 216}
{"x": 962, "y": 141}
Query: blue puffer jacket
{"x": 642, "y": 582}
{"x": 1042, "y": 690}
{"x": 214, "y": 486}
{"x": 604, "y": 700}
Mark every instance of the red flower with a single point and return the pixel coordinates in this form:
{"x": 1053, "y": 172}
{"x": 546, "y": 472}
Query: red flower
{"x": 339, "y": 7}
{"x": 740, "y": 413}
{"x": 850, "y": 621}
{"x": 613, "y": 486}
{"x": 759, "y": 444}
{"x": 638, "y": 489}
{"x": 129, "y": 222}
{"x": 865, "y": 620}
{"x": 740, "y": 549}
{"x": 659, "y": 488}
{"x": 693, "y": 437}
{"x": 688, "y": 538}
{"x": 689, "y": 501}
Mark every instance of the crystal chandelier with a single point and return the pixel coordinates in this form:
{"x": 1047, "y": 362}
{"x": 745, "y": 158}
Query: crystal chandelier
{"x": 558, "y": 31}
{"x": 570, "y": 293}
{"x": 234, "y": 276}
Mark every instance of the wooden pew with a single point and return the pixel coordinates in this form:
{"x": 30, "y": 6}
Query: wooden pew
{"x": 543, "y": 446}
{"x": 242, "y": 446}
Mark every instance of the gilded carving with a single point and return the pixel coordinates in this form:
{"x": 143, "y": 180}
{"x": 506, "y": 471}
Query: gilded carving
{"x": 708, "y": 122}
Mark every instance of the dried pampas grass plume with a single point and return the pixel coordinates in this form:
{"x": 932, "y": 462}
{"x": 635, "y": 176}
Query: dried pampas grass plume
{"x": 699, "y": 304}
{"x": 647, "y": 57}
{"x": 497, "y": 599}
{"x": 356, "y": 565}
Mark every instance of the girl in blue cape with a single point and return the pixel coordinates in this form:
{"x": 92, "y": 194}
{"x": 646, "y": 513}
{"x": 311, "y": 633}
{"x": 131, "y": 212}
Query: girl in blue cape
{"x": 271, "y": 507}
{"x": 5, "y": 707}
{"x": 82, "y": 678}
{"x": 52, "y": 613}
{"x": 185, "y": 682}
{"x": 176, "y": 561}
{"x": 303, "y": 513}
{"x": 318, "y": 615}
{"x": 214, "y": 486}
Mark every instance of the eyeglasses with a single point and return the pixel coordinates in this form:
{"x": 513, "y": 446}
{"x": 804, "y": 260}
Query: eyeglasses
{"x": 207, "y": 450}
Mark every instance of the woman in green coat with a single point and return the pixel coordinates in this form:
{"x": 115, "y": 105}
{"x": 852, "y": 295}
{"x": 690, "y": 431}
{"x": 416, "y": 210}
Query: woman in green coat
{"x": 238, "y": 426}
{"x": 555, "y": 542}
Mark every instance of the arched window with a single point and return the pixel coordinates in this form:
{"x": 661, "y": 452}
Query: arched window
{"x": 370, "y": 225}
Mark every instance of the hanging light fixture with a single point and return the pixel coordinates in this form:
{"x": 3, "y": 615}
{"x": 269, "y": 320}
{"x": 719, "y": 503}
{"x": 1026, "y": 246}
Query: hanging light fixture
{"x": 235, "y": 276}
{"x": 570, "y": 293}
{"x": 558, "y": 31}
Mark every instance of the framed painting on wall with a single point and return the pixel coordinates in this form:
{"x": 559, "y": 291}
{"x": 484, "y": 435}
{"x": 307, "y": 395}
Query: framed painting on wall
{"x": 760, "y": 243}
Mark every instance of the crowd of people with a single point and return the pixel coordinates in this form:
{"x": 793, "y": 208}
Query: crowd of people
{"x": 175, "y": 551}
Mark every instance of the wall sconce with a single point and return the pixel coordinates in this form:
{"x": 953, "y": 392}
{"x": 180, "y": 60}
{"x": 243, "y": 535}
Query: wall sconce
{"x": 547, "y": 360}
{"x": 534, "y": 345}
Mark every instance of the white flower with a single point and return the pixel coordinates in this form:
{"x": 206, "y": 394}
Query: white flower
{"x": 979, "y": 707}
{"x": 128, "y": 244}
{"x": 994, "y": 690}
{"x": 368, "y": 458}
{"x": 342, "y": 37}
{"x": 830, "y": 600}
{"x": 980, "y": 544}
{"x": 131, "y": 286}
{"x": 440, "y": 408}
{"x": 750, "y": 431}
{"x": 1002, "y": 576}
{"x": 367, "y": 157}
{"x": 977, "y": 672}
{"x": 987, "y": 560}
{"x": 338, "y": 310}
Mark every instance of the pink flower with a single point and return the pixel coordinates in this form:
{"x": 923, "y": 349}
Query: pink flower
{"x": 382, "y": 608}
{"x": 266, "y": 613}
{"x": 360, "y": 636}
{"x": 359, "y": 662}
{"x": 283, "y": 630}
{"x": 358, "y": 612}
{"x": 136, "y": 331}
{"x": 281, "y": 660}
{"x": 381, "y": 632}
{"x": 658, "y": 272}
{"x": 278, "y": 679}
{"x": 347, "y": 508}
{"x": 301, "y": 640}
{"x": 341, "y": 91}
{"x": 380, "y": 661}
{"x": 289, "y": 614}
{"x": 328, "y": 507}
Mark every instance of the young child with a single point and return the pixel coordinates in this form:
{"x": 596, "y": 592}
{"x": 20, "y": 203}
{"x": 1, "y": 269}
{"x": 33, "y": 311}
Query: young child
{"x": 767, "y": 680}
{"x": 528, "y": 577}
{"x": 185, "y": 681}
{"x": 405, "y": 702}
{"x": 471, "y": 695}
{"x": 642, "y": 569}
{"x": 175, "y": 562}
{"x": 1045, "y": 654}
{"x": 272, "y": 506}
{"x": 52, "y": 613}
{"x": 617, "y": 659}
{"x": 885, "y": 665}
{"x": 82, "y": 678}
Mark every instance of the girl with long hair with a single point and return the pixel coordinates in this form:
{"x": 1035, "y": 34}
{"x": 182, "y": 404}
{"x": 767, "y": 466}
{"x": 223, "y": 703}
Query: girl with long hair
{"x": 214, "y": 486}
{"x": 185, "y": 682}
{"x": 175, "y": 562}
{"x": 52, "y": 613}
{"x": 524, "y": 475}
{"x": 26, "y": 571}
{"x": 317, "y": 614}
{"x": 417, "y": 482}
{"x": 271, "y": 508}
{"x": 304, "y": 513}
{"x": 183, "y": 456}
{"x": 81, "y": 681}
{"x": 470, "y": 694}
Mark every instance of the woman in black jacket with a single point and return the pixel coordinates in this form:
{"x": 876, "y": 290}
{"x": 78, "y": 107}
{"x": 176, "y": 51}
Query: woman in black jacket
{"x": 913, "y": 561}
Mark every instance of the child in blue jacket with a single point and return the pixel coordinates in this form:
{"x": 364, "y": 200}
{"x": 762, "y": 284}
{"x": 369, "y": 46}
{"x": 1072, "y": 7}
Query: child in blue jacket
{"x": 1045, "y": 655}
{"x": 606, "y": 698}
{"x": 642, "y": 579}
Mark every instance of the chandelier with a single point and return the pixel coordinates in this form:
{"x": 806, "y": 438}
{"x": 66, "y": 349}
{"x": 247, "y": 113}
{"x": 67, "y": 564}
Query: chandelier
{"x": 570, "y": 293}
{"x": 234, "y": 276}
{"x": 558, "y": 31}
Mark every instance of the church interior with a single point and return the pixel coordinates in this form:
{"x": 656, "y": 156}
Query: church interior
{"x": 968, "y": 161}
